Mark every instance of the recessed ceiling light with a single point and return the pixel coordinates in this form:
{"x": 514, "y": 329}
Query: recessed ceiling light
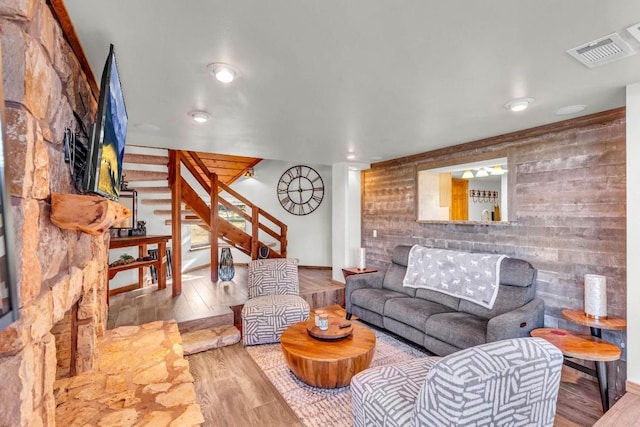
{"x": 519, "y": 104}
{"x": 224, "y": 73}
{"x": 200, "y": 116}
{"x": 570, "y": 109}
{"x": 351, "y": 155}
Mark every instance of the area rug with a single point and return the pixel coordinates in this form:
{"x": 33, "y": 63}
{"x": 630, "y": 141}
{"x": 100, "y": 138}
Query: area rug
{"x": 324, "y": 407}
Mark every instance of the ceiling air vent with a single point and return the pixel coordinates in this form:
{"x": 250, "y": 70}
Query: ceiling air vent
{"x": 602, "y": 51}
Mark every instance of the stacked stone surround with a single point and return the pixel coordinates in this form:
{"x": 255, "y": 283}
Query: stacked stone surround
{"x": 55, "y": 269}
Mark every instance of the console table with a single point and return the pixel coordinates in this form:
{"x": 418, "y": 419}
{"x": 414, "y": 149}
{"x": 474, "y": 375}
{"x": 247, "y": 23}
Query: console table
{"x": 142, "y": 242}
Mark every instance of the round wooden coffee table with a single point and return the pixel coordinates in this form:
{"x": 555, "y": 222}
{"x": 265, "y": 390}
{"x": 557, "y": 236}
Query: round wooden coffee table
{"x": 327, "y": 363}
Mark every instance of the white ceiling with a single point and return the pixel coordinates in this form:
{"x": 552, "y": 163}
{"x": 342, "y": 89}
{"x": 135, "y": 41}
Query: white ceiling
{"x": 380, "y": 78}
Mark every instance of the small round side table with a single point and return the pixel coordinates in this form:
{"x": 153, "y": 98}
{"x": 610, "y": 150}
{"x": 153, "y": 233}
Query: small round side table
{"x": 584, "y": 347}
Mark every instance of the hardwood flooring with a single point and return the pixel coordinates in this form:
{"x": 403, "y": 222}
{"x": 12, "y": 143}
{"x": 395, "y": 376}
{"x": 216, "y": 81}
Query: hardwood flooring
{"x": 233, "y": 391}
{"x": 231, "y": 388}
{"x": 206, "y": 304}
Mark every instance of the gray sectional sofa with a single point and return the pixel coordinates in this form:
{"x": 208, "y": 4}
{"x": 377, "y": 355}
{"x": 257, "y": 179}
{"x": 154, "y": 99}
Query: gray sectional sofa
{"x": 444, "y": 324}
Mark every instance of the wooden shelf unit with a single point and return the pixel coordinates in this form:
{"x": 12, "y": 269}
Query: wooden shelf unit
{"x": 142, "y": 243}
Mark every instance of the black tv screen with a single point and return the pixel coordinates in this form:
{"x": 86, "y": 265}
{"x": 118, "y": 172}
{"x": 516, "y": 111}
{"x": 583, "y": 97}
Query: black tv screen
{"x": 103, "y": 172}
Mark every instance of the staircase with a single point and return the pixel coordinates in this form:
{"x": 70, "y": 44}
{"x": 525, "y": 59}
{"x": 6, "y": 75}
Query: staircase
{"x": 170, "y": 194}
{"x": 266, "y": 231}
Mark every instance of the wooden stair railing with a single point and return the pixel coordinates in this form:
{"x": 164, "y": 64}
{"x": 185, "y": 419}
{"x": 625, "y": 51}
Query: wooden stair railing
{"x": 220, "y": 228}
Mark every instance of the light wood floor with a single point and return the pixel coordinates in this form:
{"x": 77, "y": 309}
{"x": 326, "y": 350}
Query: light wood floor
{"x": 233, "y": 391}
{"x": 202, "y": 299}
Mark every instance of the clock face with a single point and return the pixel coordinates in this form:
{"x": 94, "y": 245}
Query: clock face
{"x": 300, "y": 190}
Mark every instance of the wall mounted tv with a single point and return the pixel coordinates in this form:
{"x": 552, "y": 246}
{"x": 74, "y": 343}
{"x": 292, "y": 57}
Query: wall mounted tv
{"x": 103, "y": 169}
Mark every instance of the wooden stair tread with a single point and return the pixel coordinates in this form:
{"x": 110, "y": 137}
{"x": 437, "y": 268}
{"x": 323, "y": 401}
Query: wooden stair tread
{"x": 153, "y": 190}
{"x": 131, "y": 175}
{"x": 146, "y": 159}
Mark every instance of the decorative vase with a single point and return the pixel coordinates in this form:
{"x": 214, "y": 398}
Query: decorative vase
{"x": 226, "y": 271}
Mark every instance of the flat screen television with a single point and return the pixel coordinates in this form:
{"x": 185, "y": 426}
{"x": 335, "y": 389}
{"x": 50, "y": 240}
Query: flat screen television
{"x": 103, "y": 170}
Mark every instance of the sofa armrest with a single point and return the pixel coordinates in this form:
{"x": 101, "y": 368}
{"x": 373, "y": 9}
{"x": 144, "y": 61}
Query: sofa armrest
{"x": 360, "y": 281}
{"x": 517, "y": 323}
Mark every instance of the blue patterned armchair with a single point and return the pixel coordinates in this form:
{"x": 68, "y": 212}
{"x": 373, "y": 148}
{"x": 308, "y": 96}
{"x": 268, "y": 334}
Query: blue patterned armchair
{"x": 274, "y": 303}
{"x": 512, "y": 382}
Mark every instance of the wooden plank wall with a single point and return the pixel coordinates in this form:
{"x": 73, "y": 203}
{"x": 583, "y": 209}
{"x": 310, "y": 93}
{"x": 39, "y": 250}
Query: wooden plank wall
{"x": 567, "y": 211}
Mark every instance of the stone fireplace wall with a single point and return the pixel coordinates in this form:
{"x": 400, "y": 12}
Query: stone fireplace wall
{"x": 43, "y": 85}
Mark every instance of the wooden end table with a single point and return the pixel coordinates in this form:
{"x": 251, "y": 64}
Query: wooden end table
{"x": 584, "y": 347}
{"x": 596, "y": 325}
{"x": 327, "y": 363}
{"x": 348, "y": 271}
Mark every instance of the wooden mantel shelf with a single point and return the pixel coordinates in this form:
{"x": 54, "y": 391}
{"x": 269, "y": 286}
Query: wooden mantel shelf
{"x": 87, "y": 213}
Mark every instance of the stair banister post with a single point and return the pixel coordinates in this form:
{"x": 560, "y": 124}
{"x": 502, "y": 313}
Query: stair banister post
{"x": 176, "y": 221}
{"x": 283, "y": 241}
{"x": 255, "y": 228}
{"x": 213, "y": 230}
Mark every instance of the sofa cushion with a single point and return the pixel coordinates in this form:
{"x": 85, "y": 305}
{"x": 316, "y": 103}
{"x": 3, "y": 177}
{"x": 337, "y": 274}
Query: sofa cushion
{"x": 435, "y": 296}
{"x": 458, "y": 329}
{"x": 373, "y": 299}
{"x": 509, "y": 298}
{"x": 401, "y": 255}
{"x": 516, "y": 272}
{"x": 413, "y": 311}
{"x": 393, "y": 280}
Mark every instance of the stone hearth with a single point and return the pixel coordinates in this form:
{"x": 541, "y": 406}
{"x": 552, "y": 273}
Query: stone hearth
{"x": 140, "y": 378}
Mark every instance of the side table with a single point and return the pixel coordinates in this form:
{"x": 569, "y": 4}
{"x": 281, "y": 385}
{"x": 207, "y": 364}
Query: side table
{"x": 587, "y": 348}
{"x": 596, "y": 325}
{"x": 355, "y": 270}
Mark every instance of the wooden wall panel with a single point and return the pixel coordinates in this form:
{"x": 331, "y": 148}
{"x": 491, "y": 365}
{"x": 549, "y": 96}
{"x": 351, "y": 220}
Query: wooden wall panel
{"x": 567, "y": 211}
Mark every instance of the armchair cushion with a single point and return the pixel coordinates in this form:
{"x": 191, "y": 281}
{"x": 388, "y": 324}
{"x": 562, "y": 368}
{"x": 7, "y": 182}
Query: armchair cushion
{"x": 512, "y": 382}
{"x": 275, "y": 276}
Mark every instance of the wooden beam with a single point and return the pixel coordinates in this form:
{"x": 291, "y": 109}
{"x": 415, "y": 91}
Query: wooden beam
{"x": 90, "y": 214}
{"x": 62, "y": 16}
{"x": 176, "y": 226}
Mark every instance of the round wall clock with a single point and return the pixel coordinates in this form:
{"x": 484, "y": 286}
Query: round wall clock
{"x": 300, "y": 190}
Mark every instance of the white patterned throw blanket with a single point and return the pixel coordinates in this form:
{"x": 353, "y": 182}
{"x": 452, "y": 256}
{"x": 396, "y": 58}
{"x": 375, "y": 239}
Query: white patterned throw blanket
{"x": 470, "y": 276}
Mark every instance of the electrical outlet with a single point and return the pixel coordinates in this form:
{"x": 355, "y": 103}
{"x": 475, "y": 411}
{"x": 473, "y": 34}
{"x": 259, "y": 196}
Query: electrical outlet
{"x": 375, "y": 233}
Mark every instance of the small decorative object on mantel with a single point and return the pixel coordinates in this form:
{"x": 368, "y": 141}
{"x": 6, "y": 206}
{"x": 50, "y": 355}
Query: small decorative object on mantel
{"x": 90, "y": 214}
{"x": 595, "y": 296}
{"x": 140, "y": 230}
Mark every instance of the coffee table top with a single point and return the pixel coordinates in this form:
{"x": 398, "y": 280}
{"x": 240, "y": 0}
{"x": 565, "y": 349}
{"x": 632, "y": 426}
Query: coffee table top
{"x": 296, "y": 340}
{"x": 579, "y": 346}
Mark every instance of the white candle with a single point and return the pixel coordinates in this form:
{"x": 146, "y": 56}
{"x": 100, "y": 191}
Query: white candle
{"x": 595, "y": 295}
{"x": 362, "y": 258}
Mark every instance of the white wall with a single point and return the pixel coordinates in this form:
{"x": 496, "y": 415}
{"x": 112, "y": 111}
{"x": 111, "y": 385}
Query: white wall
{"x": 633, "y": 233}
{"x": 346, "y": 215}
{"x": 309, "y": 236}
